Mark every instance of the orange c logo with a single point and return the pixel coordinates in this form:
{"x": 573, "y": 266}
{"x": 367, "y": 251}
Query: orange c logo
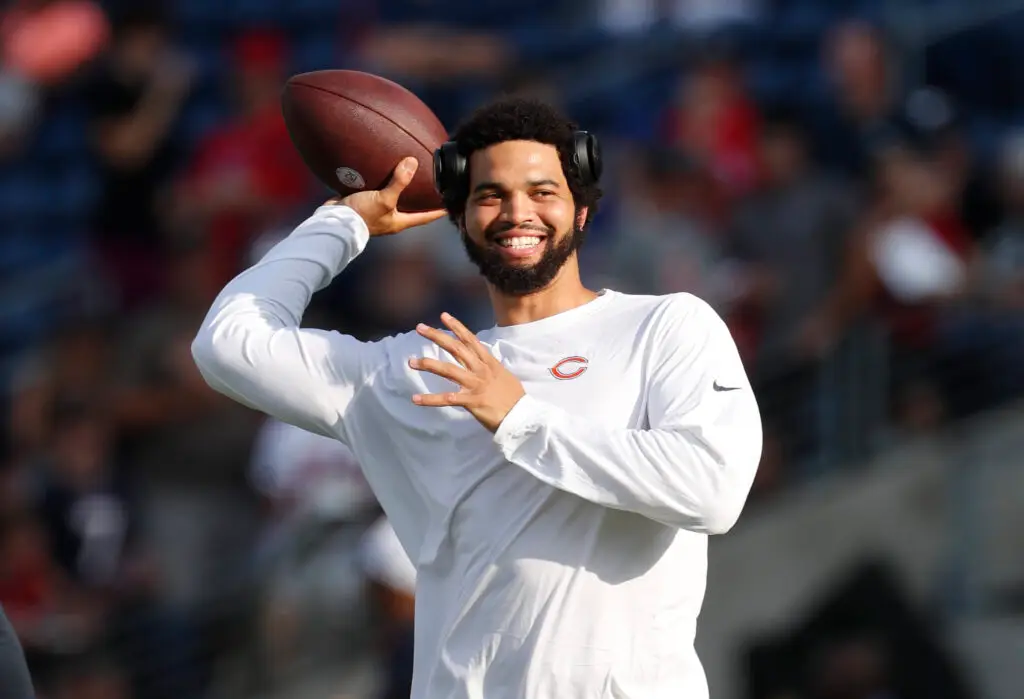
{"x": 564, "y": 369}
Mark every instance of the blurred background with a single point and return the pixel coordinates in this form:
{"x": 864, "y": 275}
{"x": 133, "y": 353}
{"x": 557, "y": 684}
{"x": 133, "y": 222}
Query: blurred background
{"x": 842, "y": 179}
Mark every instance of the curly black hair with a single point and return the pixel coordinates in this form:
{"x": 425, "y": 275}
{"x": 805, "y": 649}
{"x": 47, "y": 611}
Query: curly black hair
{"x": 521, "y": 119}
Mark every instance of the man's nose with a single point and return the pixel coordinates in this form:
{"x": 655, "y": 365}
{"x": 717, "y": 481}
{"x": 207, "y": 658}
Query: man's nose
{"x": 517, "y": 209}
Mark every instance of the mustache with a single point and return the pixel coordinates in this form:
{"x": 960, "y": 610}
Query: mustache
{"x": 502, "y": 228}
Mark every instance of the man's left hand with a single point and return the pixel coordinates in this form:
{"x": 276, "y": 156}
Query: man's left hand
{"x": 489, "y": 390}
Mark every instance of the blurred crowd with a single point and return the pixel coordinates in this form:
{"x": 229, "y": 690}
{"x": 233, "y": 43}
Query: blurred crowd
{"x": 862, "y": 233}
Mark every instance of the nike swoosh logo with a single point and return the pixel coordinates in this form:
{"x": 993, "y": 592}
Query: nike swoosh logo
{"x": 718, "y": 387}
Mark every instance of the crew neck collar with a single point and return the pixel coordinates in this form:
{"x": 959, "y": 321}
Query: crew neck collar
{"x": 534, "y": 327}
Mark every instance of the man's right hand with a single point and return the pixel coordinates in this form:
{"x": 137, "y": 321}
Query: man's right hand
{"x": 379, "y": 208}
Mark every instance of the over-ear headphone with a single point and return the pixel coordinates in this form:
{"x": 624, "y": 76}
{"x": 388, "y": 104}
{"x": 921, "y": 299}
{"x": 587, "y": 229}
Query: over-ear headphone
{"x": 450, "y": 166}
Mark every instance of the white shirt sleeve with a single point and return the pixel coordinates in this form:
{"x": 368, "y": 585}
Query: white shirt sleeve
{"x": 693, "y": 468}
{"x": 250, "y": 346}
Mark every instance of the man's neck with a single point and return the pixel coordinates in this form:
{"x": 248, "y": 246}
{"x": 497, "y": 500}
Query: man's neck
{"x": 563, "y": 294}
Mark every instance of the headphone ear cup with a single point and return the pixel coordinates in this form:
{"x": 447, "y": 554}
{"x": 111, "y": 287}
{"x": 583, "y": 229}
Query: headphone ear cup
{"x": 588, "y": 157}
{"x": 439, "y": 171}
{"x": 449, "y": 167}
{"x": 596, "y": 160}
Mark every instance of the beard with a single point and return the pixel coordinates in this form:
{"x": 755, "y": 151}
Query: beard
{"x": 522, "y": 280}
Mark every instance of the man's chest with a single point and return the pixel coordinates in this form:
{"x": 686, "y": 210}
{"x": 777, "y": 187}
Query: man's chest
{"x": 458, "y": 465}
{"x": 602, "y": 382}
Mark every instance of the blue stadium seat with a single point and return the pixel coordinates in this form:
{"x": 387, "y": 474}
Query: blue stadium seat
{"x": 203, "y": 16}
{"x": 199, "y": 119}
{"x": 79, "y": 192}
{"x": 870, "y": 10}
{"x": 315, "y": 52}
{"x": 260, "y": 12}
{"x": 22, "y": 197}
{"x": 16, "y": 248}
{"x": 63, "y": 135}
{"x": 986, "y": 132}
{"x": 211, "y": 62}
{"x": 798, "y": 30}
{"x": 770, "y": 80}
{"x": 323, "y": 12}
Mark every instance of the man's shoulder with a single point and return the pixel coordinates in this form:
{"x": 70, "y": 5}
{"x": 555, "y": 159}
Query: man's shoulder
{"x": 665, "y": 308}
{"x": 672, "y": 322}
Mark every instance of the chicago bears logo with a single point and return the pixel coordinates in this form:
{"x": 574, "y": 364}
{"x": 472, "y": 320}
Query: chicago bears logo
{"x": 569, "y": 368}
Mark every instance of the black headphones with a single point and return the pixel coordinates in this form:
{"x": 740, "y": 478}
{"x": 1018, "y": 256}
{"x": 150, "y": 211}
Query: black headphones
{"x": 450, "y": 166}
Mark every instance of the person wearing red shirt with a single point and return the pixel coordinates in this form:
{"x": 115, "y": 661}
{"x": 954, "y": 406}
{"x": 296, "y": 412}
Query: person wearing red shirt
{"x": 714, "y": 119}
{"x": 246, "y": 175}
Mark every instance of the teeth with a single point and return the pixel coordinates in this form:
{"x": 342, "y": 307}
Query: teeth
{"x": 519, "y": 242}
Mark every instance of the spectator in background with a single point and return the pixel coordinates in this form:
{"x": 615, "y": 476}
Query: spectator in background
{"x": 710, "y": 15}
{"x": 19, "y": 108}
{"x": 90, "y": 509}
{"x": 789, "y": 236}
{"x": 246, "y": 177}
{"x": 50, "y": 615}
{"x": 627, "y": 17}
{"x": 93, "y": 676}
{"x": 932, "y": 111}
{"x": 43, "y": 45}
{"x": 700, "y": 16}
{"x": 868, "y": 97}
{"x": 444, "y": 49}
{"x": 48, "y": 41}
{"x": 136, "y": 100}
{"x": 434, "y": 41}
{"x": 311, "y": 485}
{"x": 667, "y": 239}
{"x": 191, "y": 445}
{"x": 72, "y": 368}
{"x": 305, "y": 476}
{"x": 865, "y": 93}
{"x": 434, "y": 52}
{"x": 391, "y": 577}
{"x": 714, "y": 118}
{"x": 86, "y": 501}
{"x": 918, "y": 262}
{"x": 1002, "y": 272}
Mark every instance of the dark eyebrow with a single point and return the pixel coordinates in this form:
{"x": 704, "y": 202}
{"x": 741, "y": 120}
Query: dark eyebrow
{"x": 489, "y": 186}
{"x": 485, "y": 186}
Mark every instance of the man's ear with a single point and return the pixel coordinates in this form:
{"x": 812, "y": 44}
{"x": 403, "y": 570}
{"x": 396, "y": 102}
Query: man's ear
{"x": 581, "y": 217}
{"x": 462, "y": 224}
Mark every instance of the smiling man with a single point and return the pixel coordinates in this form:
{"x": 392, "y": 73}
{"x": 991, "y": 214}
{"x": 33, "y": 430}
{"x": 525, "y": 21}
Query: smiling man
{"x": 554, "y": 478}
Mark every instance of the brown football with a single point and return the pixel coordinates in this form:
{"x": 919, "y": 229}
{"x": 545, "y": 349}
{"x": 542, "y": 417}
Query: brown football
{"x": 352, "y": 128}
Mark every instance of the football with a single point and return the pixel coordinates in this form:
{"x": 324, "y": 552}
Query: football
{"x": 352, "y": 128}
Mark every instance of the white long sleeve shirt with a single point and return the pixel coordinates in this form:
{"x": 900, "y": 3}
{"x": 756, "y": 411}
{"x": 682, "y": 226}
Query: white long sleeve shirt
{"x": 565, "y": 555}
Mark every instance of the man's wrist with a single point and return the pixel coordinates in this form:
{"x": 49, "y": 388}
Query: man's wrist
{"x": 519, "y": 422}
{"x": 497, "y": 425}
{"x": 335, "y": 235}
{"x": 348, "y": 216}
